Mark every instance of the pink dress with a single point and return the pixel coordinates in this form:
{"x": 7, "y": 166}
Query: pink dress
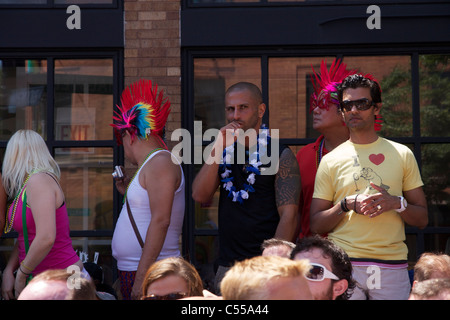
{"x": 62, "y": 254}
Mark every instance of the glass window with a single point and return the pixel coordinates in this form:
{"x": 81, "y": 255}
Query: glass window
{"x": 23, "y": 1}
{"x": 393, "y": 73}
{"x": 55, "y": 1}
{"x": 6, "y": 248}
{"x": 88, "y": 186}
{"x": 411, "y": 242}
{"x": 206, "y": 249}
{"x": 436, "y": 179}
{"x": 437, "y": 242}
{"x": 289, "y": 91}
{"x": 83, "y": 1}
{"x": 83, "y": 99}
{"x": 434, "y": 74}
{"x": 23, "y": 96}
{"x": 96, "y": 250}
{"x": 206, "y": 214}
{"x": 212, "y": 77}
{"x": 222, "y": 1}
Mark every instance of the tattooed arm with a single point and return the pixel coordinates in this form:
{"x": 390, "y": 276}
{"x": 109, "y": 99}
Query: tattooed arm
{"x": 287, "y": 193}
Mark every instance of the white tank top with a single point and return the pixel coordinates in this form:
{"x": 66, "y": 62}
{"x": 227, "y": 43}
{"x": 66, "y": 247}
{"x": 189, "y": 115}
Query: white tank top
{"x": 125, "y": 246}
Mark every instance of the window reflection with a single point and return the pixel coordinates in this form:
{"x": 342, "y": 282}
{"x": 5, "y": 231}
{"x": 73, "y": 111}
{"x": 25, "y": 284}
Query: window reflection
{"x": 212, "y": 77}
{"x": 56, "y": 2}
{"x": 82, "y": 1}
{"x": 437, "y": 242}
{"x": 289, "y": 91}
{"x": 88, "y": 186}
{"x": 206, "y": 249}
{"x": 434, "y": 74}
{"x": 436, "y": 179}
{"x": 206, "y": 214}
{"x": 23, "y": 1}
{"x": 394, "y": 76}
{"x": 23, "y": 96}
{"x": 83, "y": 99}
{"x": 222, "y": 1}
{"x": 7, "y": 245}
{"x": 98, "y": 251}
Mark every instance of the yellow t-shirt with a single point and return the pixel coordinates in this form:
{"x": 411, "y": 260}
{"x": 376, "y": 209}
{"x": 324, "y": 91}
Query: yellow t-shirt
{"x": 348, "y": 170}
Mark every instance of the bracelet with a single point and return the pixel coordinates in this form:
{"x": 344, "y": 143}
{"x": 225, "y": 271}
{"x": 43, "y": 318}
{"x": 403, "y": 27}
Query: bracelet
{"x": 344, "y": 205}
{"x": 23, "y": 265}
{"x": 27, "y": 274}
{"x": 354, "y": 205}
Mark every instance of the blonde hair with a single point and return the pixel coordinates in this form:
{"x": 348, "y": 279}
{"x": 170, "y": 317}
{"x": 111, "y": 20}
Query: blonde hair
{"x": 174, "y": 266}
{"x": 247, "y": 280}
{"x": 432, "y": 265}
{"x": 26, "y": 151}
{"x": 85, "y": 290}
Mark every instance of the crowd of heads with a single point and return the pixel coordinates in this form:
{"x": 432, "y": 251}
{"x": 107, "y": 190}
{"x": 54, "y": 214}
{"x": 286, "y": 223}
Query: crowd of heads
{"x": 313, "y": 269}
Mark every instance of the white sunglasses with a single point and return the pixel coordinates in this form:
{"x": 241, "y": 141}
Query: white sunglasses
{"x": 318, "y": 272}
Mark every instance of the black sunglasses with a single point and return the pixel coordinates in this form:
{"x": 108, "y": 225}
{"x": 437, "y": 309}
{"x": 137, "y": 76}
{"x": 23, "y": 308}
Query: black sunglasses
{"x": 170, "y": 296}
{"x": 360, "y": 104}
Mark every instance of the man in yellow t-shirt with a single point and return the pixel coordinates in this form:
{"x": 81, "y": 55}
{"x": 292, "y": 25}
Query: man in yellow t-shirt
{"x": 365, "y": 191}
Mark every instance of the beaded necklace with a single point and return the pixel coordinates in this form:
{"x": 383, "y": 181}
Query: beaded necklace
{"x": 15, "y": 202}
{"x": 252, "y": 169}
{"x": 148, "y": 155}
{"x": 319, "y": 153}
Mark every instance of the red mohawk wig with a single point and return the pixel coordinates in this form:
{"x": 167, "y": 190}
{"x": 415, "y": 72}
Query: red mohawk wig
{"x": 325, "y": 84}
{"x": 143, "y": 111}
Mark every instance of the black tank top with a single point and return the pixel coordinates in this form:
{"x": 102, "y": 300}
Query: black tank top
{"x": 244, "y": 227}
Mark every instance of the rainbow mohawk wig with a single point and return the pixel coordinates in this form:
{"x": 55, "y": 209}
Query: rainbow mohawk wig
{"x": 325, "y": 84}
{"x": 143, "y": 111}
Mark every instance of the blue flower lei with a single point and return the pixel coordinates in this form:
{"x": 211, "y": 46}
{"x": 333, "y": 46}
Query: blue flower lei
{"x": 252, "y": 168}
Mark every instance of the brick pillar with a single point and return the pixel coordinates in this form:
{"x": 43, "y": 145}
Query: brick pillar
{"x": 152, "y": 50}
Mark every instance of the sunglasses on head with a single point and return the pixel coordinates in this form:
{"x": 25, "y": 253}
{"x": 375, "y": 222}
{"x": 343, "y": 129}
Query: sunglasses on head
{"x": 360, "y": 104}
{"x": 170, "y": 296}
{"x": 318, "y": 272}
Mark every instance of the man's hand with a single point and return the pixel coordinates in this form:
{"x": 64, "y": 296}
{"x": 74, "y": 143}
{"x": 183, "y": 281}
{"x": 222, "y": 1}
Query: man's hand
{"x": 122, "y": 183}
{"x": 228, "y": 134}
{"x": 376, "y": 204}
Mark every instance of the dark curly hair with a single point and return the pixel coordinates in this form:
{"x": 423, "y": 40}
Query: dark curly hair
{"x": 340, "y": 262}
{"x": 359, "y": 81}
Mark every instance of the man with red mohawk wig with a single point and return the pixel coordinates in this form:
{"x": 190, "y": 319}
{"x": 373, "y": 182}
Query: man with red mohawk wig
{"x": 327, "y": 120}
{"x": 154, "y": 196}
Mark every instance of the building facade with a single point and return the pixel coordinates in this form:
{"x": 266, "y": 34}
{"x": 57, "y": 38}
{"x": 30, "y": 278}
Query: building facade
{"x": 63, "y": 65}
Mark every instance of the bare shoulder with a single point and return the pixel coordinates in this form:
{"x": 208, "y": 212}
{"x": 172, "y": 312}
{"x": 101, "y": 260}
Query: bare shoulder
{"x": 163, "y": 163}
{"x": 41, "y": 178}
{"x": 42, "y": 183}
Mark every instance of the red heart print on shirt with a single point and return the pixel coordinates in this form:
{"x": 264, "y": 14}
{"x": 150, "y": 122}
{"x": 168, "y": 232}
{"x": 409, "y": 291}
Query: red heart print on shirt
{"x": 376, "y": 158}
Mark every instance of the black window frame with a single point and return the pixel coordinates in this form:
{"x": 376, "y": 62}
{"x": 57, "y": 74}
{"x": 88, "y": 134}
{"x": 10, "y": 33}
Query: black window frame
{"x": 117, "y": 57}
{"x": 51, "y": 4}
{"x": 298, "y": 3}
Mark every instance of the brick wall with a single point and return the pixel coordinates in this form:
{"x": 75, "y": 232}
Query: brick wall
{"x": 152, "y": 50}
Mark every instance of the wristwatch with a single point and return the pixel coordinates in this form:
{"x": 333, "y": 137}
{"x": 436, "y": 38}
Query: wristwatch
{"x": 403, "y": 205}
